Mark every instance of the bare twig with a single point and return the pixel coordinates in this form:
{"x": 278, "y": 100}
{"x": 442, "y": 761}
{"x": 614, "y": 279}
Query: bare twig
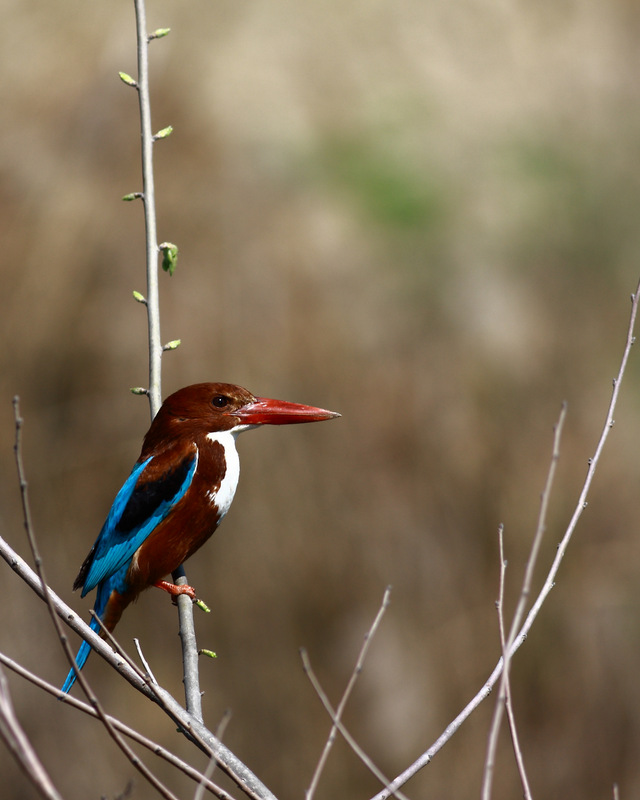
{"x": 145, "y": 664}
{"x": 336, "y": 716}
{"x": 131, "y": 733}
{"x": 450, "y": 730}
{"x": 503, "y": 700}
{"x": 20, "y": 747}
{"x": 339, "y": 725}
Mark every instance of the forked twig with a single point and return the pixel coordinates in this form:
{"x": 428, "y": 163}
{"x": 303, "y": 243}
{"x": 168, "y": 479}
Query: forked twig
{"x": 336, "y": 715}
{"x": 450, "y": 730}
{"x": 339, "y": 725}
{"x": 503, "y": 699}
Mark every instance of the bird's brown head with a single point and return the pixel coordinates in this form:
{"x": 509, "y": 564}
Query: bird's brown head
{"x": 214, "y": 407}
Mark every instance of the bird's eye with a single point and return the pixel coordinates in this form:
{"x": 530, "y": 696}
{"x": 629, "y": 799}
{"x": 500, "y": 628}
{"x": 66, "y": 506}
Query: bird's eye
{"x": 219, "y": 401}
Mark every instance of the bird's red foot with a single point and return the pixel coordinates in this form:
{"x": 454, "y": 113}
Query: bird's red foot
{"x": 174, "y": 590}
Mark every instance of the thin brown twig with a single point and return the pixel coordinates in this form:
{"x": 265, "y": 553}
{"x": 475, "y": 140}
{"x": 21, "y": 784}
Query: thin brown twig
{"x": 505, "y": 690}
{"x": 347, "y": 692}
{"x": 18, "y": 744}
{"x": 336, "y": 715}
{"x": 131, "y": 733}
{"x": 339, "y": 725}
{"x": 549, "y": 582}
{"x": 503, "y": 701}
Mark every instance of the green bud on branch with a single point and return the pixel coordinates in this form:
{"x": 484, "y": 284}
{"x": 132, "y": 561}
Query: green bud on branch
{"x": 203, "y": 606}
{"x": 169, "y": 256}
{"x": 208, "y": 653}
{"x": 159, "y": 33}
{"x": 128, "y": 79}
{"x": 163, "y": 133}
{"x": 172, "y": 345}
{"x": 139, "y": 298}
{"x": 138, "y": 390}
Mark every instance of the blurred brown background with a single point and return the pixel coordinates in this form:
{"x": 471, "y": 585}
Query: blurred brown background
{"x": 421, "y": 214}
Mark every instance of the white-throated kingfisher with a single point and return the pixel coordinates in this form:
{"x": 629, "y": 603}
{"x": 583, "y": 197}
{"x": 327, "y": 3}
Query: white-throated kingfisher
{"x": 179, "y": 490}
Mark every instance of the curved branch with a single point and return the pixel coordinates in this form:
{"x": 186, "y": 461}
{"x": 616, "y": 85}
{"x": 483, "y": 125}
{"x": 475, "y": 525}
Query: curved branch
{"x": 549, "y": 582}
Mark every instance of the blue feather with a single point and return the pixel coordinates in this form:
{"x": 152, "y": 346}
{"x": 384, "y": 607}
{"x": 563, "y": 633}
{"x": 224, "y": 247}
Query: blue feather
{"x": 118, "y": 541}
{"x": 104, "y": 592}
{"x": 139, "y": 507}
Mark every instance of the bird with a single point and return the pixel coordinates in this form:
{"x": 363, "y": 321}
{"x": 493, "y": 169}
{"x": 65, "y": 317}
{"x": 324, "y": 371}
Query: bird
{"x": 178, "y": 492}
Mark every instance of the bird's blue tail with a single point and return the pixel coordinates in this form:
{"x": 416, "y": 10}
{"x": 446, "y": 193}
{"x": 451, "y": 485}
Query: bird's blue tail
{"x": 104, "y": 591}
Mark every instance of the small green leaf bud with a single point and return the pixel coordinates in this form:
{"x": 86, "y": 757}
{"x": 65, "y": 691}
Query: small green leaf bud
{"x": 127, "y": 79}
{"x": 159, "y": 33}
{"x": 169, "y": 256}
{"x": 164, "y": 133}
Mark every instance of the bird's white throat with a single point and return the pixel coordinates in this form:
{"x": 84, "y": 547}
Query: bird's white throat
{"x": 224, "y": 496}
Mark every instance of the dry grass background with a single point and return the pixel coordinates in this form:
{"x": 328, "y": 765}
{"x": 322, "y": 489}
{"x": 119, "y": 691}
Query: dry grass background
{"x": 421, "y": 214}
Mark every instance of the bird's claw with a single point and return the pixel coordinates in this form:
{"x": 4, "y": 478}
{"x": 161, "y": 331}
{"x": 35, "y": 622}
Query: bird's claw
{"x": 174, "y": 589}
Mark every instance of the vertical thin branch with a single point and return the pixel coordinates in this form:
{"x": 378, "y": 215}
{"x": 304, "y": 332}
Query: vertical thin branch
{"x": 503, "y": 698}
{"x": 148, "y": 198}
{"x": 505, "y": 694}
{"x": 193, "y": 695}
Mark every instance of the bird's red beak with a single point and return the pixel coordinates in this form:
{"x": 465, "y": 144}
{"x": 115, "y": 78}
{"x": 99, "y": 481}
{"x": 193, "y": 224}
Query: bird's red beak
{"x": 264, "y": 411}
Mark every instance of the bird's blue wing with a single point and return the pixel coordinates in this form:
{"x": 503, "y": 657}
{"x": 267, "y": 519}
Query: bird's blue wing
{"x": 146, "y": 498}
